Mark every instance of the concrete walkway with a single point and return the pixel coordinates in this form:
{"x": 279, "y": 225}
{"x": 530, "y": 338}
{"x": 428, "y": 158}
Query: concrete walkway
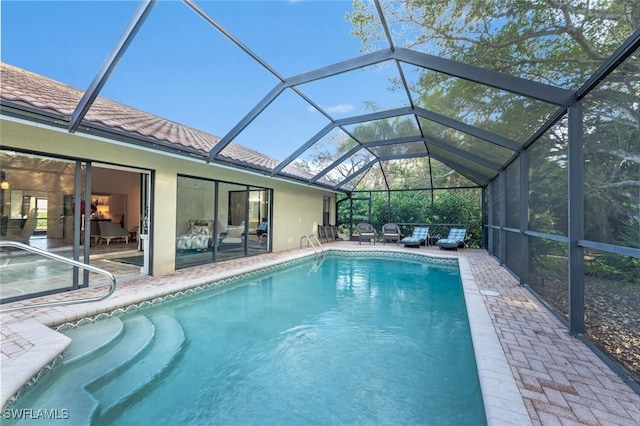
{"x": 561, "y": 380}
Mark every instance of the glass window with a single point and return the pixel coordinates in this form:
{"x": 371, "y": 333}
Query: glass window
{"x": 259, "y": 239}
{"x": 231, "y": 220}
{"x": 235, "y": 223}
{"x": 34, "y": 186}
{"x": 194, "y": 222}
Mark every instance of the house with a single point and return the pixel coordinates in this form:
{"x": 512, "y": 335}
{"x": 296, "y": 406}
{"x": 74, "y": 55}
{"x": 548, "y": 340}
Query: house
{"x": 149, "y": 174}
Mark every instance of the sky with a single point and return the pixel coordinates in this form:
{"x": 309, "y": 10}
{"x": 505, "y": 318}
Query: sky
{"x": 181, "y": 68}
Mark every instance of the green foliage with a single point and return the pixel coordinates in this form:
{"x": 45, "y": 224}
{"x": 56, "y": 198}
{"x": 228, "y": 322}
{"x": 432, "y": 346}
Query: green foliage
{"x": 452, "y": 207}
{"x": 41, "y": 221}
{"x": 630, "y": 233}
{"x": 614, "y": 267}
{"x": 618, "y": 267}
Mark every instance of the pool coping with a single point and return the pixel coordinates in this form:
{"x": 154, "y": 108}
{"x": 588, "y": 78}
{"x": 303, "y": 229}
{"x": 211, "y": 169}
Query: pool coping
{"x": 503, "y": 403}
{"x": 502, "y": 400}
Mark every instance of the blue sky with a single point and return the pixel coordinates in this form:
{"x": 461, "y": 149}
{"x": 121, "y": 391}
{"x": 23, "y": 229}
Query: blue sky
{"x": 181, "y": 68}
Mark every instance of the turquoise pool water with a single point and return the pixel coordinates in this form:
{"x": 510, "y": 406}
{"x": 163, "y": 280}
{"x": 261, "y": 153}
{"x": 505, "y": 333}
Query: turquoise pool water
{"x": 359, "y": 341}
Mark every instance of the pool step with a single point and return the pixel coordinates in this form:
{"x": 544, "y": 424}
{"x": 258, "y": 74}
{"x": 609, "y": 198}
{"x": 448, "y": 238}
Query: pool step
{"x": 157, "y": 357}
{"x": 67, "y": 390}
{"x": 89, "y": 338}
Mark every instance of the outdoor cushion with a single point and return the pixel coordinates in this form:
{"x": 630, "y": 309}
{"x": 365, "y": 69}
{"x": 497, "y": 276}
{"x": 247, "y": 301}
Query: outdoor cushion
{"x": 454, "y": 240}
{"x": 419, "y": 236}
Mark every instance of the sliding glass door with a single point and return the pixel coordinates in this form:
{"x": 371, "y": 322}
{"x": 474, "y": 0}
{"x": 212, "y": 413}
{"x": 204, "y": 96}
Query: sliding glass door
{"x": 220, "y": 221}
{"x": 232, "y": 221}
{"x": 39, "y": 193}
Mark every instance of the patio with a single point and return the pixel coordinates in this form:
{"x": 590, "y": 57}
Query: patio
{"x": 560, "y": 380}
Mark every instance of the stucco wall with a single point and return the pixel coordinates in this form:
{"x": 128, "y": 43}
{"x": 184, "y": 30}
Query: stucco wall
{"x": 297, "y": 208}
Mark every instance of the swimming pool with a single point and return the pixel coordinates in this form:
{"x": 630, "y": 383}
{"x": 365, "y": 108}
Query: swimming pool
{"x": 360, "y": 340}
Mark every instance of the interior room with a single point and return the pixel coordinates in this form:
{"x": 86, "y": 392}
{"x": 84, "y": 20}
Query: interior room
{"x": 37, "y": 203}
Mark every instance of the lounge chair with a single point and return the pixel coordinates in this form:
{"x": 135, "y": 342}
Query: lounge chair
{"x": 454, "y": 240}
{"x": 419, "y": 236}
{"x": 366, "y": 233}
{"x": 390, "y": 232}
{"x": 112, "y": 231}
{"x": 22, "y": 235}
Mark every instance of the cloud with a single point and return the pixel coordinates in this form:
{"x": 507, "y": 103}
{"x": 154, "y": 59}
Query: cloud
{"x": 339, "y": 109}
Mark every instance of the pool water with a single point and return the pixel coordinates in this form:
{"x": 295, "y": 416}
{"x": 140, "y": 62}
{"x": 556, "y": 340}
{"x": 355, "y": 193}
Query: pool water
{"x": 359, "y": 341}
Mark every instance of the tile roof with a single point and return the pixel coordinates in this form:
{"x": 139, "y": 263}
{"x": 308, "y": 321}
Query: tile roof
{"x": 27, "y": 89}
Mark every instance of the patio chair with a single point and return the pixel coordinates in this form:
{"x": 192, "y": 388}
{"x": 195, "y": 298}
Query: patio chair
{"x": 390, "y": 232}
{"x": 454, "y": 240}
{"x": 419, "y": 236}
{"x": 366, "y": 232}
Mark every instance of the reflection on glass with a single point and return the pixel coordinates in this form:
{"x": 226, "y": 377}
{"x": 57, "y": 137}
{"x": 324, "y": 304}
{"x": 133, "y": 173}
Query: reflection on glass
{"x": 194, "y": 222}
{"x": 28, "y": 178}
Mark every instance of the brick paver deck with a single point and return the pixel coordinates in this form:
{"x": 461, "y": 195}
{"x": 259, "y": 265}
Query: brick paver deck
{"x": 560, "y": 380}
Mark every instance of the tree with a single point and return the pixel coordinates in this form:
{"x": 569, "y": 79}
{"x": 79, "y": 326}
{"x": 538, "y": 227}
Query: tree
{"x": 560, "y": 43}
